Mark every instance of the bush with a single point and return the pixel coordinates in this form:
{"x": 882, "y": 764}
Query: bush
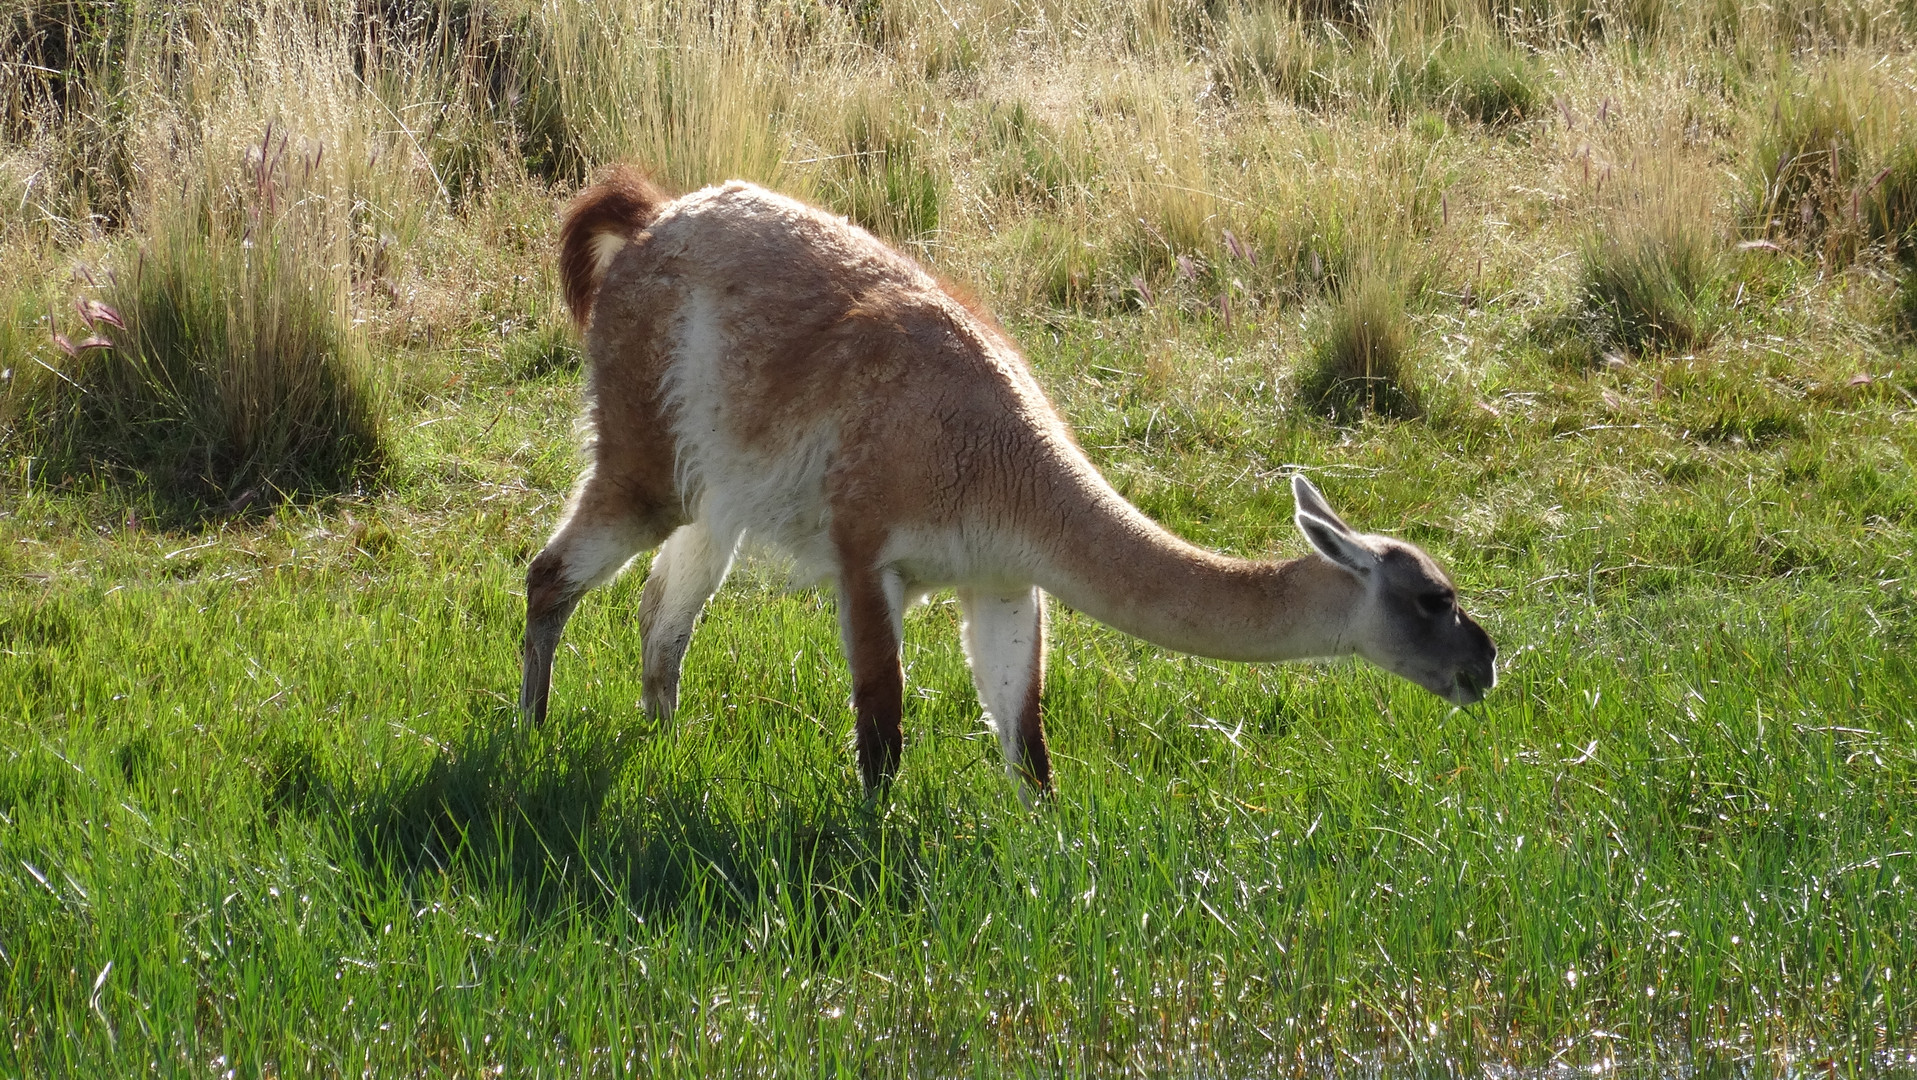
{"x": 1361, "y": 364}
{"x": 1650, "y": 285}
{"x": 233, "y": 379}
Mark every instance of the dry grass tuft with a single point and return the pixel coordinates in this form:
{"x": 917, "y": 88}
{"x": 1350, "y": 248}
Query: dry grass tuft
{"x": 1361, "y": 364}
{"x": 1651, "y": 272}
{"x": 1834, "y": 165}
{"x": 224, "y": 373}
{"x": 1649, "y": 286}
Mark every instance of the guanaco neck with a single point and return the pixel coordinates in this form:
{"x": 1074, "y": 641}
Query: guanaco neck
{"x": 1116, "y": 565}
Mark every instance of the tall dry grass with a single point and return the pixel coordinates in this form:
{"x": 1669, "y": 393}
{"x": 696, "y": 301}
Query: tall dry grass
{"x": 1652, "y": 269}
{"x": 273, "y": 194}
{"x": 1834, "y": 164}
{"x": 1229, "y": 165}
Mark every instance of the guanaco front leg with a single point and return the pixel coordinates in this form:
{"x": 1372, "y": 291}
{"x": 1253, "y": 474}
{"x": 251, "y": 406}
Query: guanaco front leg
{"x": 870, "y": 620}
{"x": 1004, "y": 637}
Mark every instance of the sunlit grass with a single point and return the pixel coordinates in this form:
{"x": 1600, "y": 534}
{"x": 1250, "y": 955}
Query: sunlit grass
{"x": 1235, "y": 851}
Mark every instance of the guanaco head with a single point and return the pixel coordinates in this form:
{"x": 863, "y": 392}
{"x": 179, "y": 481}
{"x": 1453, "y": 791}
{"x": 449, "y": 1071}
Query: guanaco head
{"x": 1408, "y": 620}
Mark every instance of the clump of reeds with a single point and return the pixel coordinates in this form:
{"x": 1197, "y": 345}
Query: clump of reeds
{"x": 69, "y": 92}
{"x": 24, "y": 357}
{"x": 1556, "y": 24}
{"x": 1360, "y": 363}
{"x": 1266, "y": 52}
{"x": 1059, "y": 267}
{"x": 1892, "y": 220}
{"x": 1833, "y": 177}
{"x": 1650, "y": 286}
{"x": 1889, "y": 204}
{"x": 1834, "y": 168}
{"x": 220, "y": 365}
{"x": 496, "y": 77}
{"x": 1806, "y": 25}
{"x": 1468, "y": 70}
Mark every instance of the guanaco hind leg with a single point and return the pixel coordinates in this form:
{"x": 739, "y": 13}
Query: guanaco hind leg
{"x": 685, "y": 574}
{"x": 603, "y": 530}
{"x": 1004, "y": 637}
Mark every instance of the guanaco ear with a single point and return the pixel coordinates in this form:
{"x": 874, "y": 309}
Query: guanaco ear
{"x": 1326, "y": 531}
{"x": 1311, "y": 501}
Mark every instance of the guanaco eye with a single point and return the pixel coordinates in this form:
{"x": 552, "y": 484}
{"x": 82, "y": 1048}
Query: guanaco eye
{"x": 1436, "y": 603}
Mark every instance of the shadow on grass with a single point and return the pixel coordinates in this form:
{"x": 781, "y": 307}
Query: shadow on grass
{"x": 584, "y": 818}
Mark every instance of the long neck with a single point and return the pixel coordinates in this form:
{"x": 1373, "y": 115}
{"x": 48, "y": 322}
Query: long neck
{"x": 1113, "y": 563}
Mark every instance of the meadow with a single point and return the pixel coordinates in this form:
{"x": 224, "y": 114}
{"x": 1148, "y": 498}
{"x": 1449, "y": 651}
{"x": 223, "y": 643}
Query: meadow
{"x": 1611, "y": 306}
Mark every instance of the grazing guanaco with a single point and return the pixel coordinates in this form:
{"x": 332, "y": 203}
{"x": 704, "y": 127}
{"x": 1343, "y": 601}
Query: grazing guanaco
{"x": 757, "y": 365}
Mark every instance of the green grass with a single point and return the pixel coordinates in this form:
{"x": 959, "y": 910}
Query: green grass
{"x": 273, "y": 778}
{"x": 320, "y": 837}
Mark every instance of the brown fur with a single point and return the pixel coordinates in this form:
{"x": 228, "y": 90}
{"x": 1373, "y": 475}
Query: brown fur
{"x": 1035, "y": 759}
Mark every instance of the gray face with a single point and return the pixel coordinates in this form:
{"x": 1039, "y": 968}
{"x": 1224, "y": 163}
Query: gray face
{"x": 1418, "y": 630}
{"x": 1409, "y": 621}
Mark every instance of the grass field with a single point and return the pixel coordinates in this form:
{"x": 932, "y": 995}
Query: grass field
{"x": 1608, "y": 307}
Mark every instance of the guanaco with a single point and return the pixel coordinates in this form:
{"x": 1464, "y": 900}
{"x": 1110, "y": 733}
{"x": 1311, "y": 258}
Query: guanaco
{"x": 760, "y": 366}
